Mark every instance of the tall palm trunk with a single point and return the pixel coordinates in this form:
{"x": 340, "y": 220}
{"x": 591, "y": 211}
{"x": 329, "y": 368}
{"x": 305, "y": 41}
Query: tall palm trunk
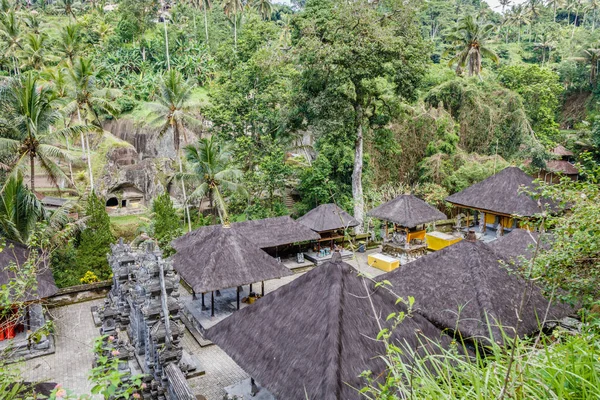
{"x": 85, "y": 143}
{"x": 206, "y": 23}
{"x": 32, "y": 170}
{"x": 235, "y": 30}
{"x": 357, "y": 190}
{"x": 185, "y": 202}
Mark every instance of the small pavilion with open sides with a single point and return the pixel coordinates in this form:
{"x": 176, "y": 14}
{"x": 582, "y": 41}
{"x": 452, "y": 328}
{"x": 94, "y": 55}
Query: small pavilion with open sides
{"x": 332, "y": 224}
{"x": 501, "y": 201}
{"x": 408, "y": 215}
{"x": 220, "y": 262}
{"x": 312, "y": 338}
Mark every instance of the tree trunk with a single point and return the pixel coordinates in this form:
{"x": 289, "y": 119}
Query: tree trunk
{"x": 167, "y": 45}
{"x": 89, "y": 157}
{"x": 185, "y": 204}
{"x": 357, "y": 190}
{"x": 32, "y": 170}
{"x": 206, "y": 23}
{"x": 235, "y": 30}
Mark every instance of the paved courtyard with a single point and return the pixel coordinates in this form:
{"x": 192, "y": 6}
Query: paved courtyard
{"x": 70, "y": 364}
{"x": 75, "y": 334}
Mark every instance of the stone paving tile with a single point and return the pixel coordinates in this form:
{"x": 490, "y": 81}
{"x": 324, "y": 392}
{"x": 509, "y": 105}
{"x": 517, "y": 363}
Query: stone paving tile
{"x": 72, "y": 361}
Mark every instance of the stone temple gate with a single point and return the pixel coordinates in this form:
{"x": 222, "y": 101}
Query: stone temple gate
{"x": 141, "y": 313}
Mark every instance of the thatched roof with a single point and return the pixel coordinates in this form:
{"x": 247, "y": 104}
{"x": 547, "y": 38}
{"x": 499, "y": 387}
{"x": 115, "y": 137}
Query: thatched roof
{"x": 562, "y": 151}
{"x": 312, "y": 338}
{"x": 518, "y": 244}
{"x": 264, "y": 233}
{"x": 500, "y": 193}
{"x": 327, "y": 217}
{"x": 561, "y": 166}
{"x": 17, "y": 253}
{"x": 408, "y": 211}
{"x": 465, "y": 285}
{"x": 222, "y": 258}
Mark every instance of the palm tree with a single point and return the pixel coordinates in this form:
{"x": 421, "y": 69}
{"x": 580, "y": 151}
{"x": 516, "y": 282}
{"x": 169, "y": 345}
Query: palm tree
{"x": 10, "y": 33}
{"x": 34, "y": 51}
{"x": 20, "y": 210}
{"x": 593, "y": 6}
{"x": 504, "y": 4}
{"x": 29, "y": 110}
{"x": 173, "y": 110}
{"x": 469, "y": 45}
{"x": 213, "y": 172}
{"x": 534, "y": 8}
{"x": 590, "y": 56}
{"x": 545, "y": 41}
{"x": 68, "y": 41}
{"x": 518, "y": 17}
{"x": 233, "y": 8}
{"x": 67, "y": 7}
{"x": 87, "y": 100}
{"x": 285, "y": 37}
{"x": 263, "y": 7}
{"x": 555, "y": 4}
{"x": 206, "y": 5}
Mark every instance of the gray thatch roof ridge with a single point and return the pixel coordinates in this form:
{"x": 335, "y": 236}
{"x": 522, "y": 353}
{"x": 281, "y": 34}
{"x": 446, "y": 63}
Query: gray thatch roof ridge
{"x": 327, "y": 217}
{"x": 501, "y": 193}
{"x": 408, "y": 211}
{"x": 317, "y": 334}
{"x": 17, "y": 253}
{"x": 466, "y": 285}
{"x": 264, "y": 233}
{"x": 276, "y": 231}
{"x": 221, "y": 257}
{"x": 519, "y": 243}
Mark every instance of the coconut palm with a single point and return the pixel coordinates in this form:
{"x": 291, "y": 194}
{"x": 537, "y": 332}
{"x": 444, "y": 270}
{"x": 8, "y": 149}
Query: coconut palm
{"x": 593, "y": 6}
{"x": 206, "y": 5}
{"x": 67, "y": 7}
{"x": 34, "y": 51}
{"x": 518, "y": 17}
{"x": 10, "y": 34}
{"x": 232, "y": 9}
{"x": 555, "y": 5}
{"x": 591, "y": 56}
{"x": 545, "y": 42}
{"x": 213, "y": 173}
{"x": 29, "y": 111}
{"x": 263, "y": 7}
{"x": 469, "y": 45}
{"x": 20, "y": 210}
{"x": 68, "y": 42}
{"x": 173, "y": 109}
{"x": 87, "y": 100}
{"x": 534, "y": 8}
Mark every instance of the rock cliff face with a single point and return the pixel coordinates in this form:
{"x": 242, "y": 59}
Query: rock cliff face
{"x": 143, "y": 167}
{"x": 145, "y": 139}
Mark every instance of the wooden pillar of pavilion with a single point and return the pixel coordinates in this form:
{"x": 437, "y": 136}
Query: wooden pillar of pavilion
{"x": 212, "y": 303}
{"x": 262, "y": 289}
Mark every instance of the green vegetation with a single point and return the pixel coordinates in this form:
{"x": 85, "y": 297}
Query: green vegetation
{"x": 165, "y": 225}
{"x": 95, "y": 239}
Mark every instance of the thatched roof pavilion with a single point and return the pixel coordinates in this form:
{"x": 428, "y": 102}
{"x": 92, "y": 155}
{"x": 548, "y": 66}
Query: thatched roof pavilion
{"x": 407, "y": 211}
{"x": 500, "y": 194}
{"x": 313, "y": 337}
{"x": 519, "y": 244}
{"x": 263, "y": 233}
{"x": 17, "y": 253}
{"x": 462, "y": 285}
{"x": 221, "y": 257}
{"x": 327, "y": 217}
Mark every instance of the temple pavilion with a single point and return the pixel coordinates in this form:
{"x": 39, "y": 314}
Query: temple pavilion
{"x": 408, "y": 215}
{"x": 502, "y": 201}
